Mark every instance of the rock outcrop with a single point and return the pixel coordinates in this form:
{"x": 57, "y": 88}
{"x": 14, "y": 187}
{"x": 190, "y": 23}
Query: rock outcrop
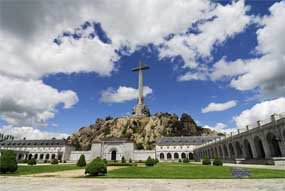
{"x": 143, "y": 131}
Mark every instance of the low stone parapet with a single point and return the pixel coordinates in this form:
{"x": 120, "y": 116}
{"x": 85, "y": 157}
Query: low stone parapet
{"x": 279, "y": 161}
{"x": 239, "y": 160}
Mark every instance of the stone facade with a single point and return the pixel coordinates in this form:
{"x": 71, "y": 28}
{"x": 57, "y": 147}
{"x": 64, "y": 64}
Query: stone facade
{"x": 113, "y": 149}
{"x": 175, "y": 148}
{"x": 263, "y": 142}
{"x": 39, "y": 149}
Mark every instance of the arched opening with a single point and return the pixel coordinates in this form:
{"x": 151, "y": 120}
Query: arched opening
{"x": 114, "y": 155}
{"x": 20, "y": 156}
{"x": 30, "y": 156}
{"x": 232, "y": 152}
{"x": 47, "y": 156}
{"x": 183, "y": 155}
{"x": 168, "y": 156}
{"x": 53, "y": 156}
{"x": 59, "y": 156}
{"x": 212, "y": 153}
{"x": 226, "y": 152}
{"x": 161, "y": 156}
{"x": 191, "y": 156}
{"x": 259, "y": 147}
{"x": 209, "y": 153}
{"x": 176, "y": 156}
{"x": 238, "y": 149}
{"x": 248, "y": 151}
{"x": 221, "y": 152}
{"x": 273, "y": 143}
{"x": 36, "y": 156}
{"x": 216, "y": 152}
{"x": 41, "y": 156}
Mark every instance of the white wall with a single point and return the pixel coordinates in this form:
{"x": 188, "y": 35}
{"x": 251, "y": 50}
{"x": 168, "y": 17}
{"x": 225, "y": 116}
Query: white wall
{"x": 74, "y": 155}
{"x": 143, "y": 154}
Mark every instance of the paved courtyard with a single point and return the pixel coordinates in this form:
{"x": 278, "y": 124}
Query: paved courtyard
{"x": 86, "y": 184}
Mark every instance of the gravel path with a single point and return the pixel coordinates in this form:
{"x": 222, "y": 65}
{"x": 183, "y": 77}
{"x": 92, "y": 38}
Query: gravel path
{"x": 88, "y": 184}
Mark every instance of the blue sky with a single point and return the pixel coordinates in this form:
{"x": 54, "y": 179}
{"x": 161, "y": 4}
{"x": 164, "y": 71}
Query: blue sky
{"x": 225, "y": 59}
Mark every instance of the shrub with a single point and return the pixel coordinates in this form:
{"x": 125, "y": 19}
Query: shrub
{"x": 96, "y": 168}
{"x": 81, "y": 161}
{"x": 123, "y": 159}
{"x": 149, "y": 161}
{"x": 8, "y": 162}
{"x": 105, "y": 161}
{"x": 32, "y": 162}
{"x": 23, "y": 161}
{"x": 217, "y": 162}
{"x": 185, "y": 160}
{"x": 206, "y": 161}
{"x": 64, "y": 161}
{"x": 121, "y": 164}
{"x": 130, "y": 160}
{"x": 54, "y": 161}
{"x": 179, "y": 160}
{"x": 156, "y": 161}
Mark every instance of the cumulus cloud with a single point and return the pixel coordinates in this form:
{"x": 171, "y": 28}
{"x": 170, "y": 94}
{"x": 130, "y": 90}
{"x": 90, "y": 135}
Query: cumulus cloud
{"x": 219, "y": 106}
{"x": 220, "y": 127}
{"x": 260, "y": 111}
{"x": 267, "y": 71}
{"x": 211, "y": 32}
{"x": 30, "y": 133}
{"x": 24, "y": 102}
{"x": 122, "y": 94}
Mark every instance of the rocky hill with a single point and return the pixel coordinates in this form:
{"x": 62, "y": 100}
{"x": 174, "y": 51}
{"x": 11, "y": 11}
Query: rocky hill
{"x": 143, "y": 131}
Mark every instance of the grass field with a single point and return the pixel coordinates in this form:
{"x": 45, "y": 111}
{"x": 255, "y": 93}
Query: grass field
{"x": 191, "y": 171}
{"x": 159, "y": 171}
{"x": 24, "y": 170}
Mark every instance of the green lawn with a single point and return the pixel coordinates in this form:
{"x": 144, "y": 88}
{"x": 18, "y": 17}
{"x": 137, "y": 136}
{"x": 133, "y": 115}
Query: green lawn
{"x": 24, "y": 170}
{"x": 191, "y": 171}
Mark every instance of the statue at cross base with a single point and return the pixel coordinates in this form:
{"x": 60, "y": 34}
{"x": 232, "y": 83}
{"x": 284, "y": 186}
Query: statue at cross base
{"x": 140, "y": 110}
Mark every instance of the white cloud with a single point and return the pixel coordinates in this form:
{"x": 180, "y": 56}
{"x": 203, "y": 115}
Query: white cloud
{"x": 219, "y": 106}
{"x": 220, "y": 127}
{"x": 30, "y": 133}
{"x": 266, "y": 72}
{"x": 193, "y": 76}
{"x": 24, "y": 102}
{"x": 213, "y": 32}
{"x": 122, "y": 94}
{"x": 260, "y": 111}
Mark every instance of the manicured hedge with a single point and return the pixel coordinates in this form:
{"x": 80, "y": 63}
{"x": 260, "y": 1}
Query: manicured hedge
{"x": 96, "y": 168}
{"x": 8, "y": 162}
{"x": 81, "y": 162}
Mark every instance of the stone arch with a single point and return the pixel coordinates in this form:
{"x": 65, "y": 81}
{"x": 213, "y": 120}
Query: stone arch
{"x": 114, "y": 155}
{"x": 36, "y": 156}
{"x": 216, "y": 152}
{"x": 53, "y": 156}
{"x": 209, "y": 153}
{"x": 212, "y": 153}
{"x": 161, "y": 156}
{"x": 41, "y": 156}
{"x": 30, "y": 157}
{"x": 191, "y": 156}
{"x": 221, "y": 151}
{"x": 168, "y": 156}
{"x": 248, "y": 150}
{"x": 20, "y": 156}
{"x": 226, "y": 154}
{"x": 238, "y": 149}
{"x": 232, "y": 152}
{"x": 259, "y": 147}
{"x": 176, "y": 156}
{"x": 273, "y": 143}
{"x": 183, "y": 155}
{"x": 47, "y": 156}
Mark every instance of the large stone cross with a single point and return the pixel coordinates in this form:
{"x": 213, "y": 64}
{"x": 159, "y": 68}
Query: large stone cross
{"x": 140, "y": 109}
